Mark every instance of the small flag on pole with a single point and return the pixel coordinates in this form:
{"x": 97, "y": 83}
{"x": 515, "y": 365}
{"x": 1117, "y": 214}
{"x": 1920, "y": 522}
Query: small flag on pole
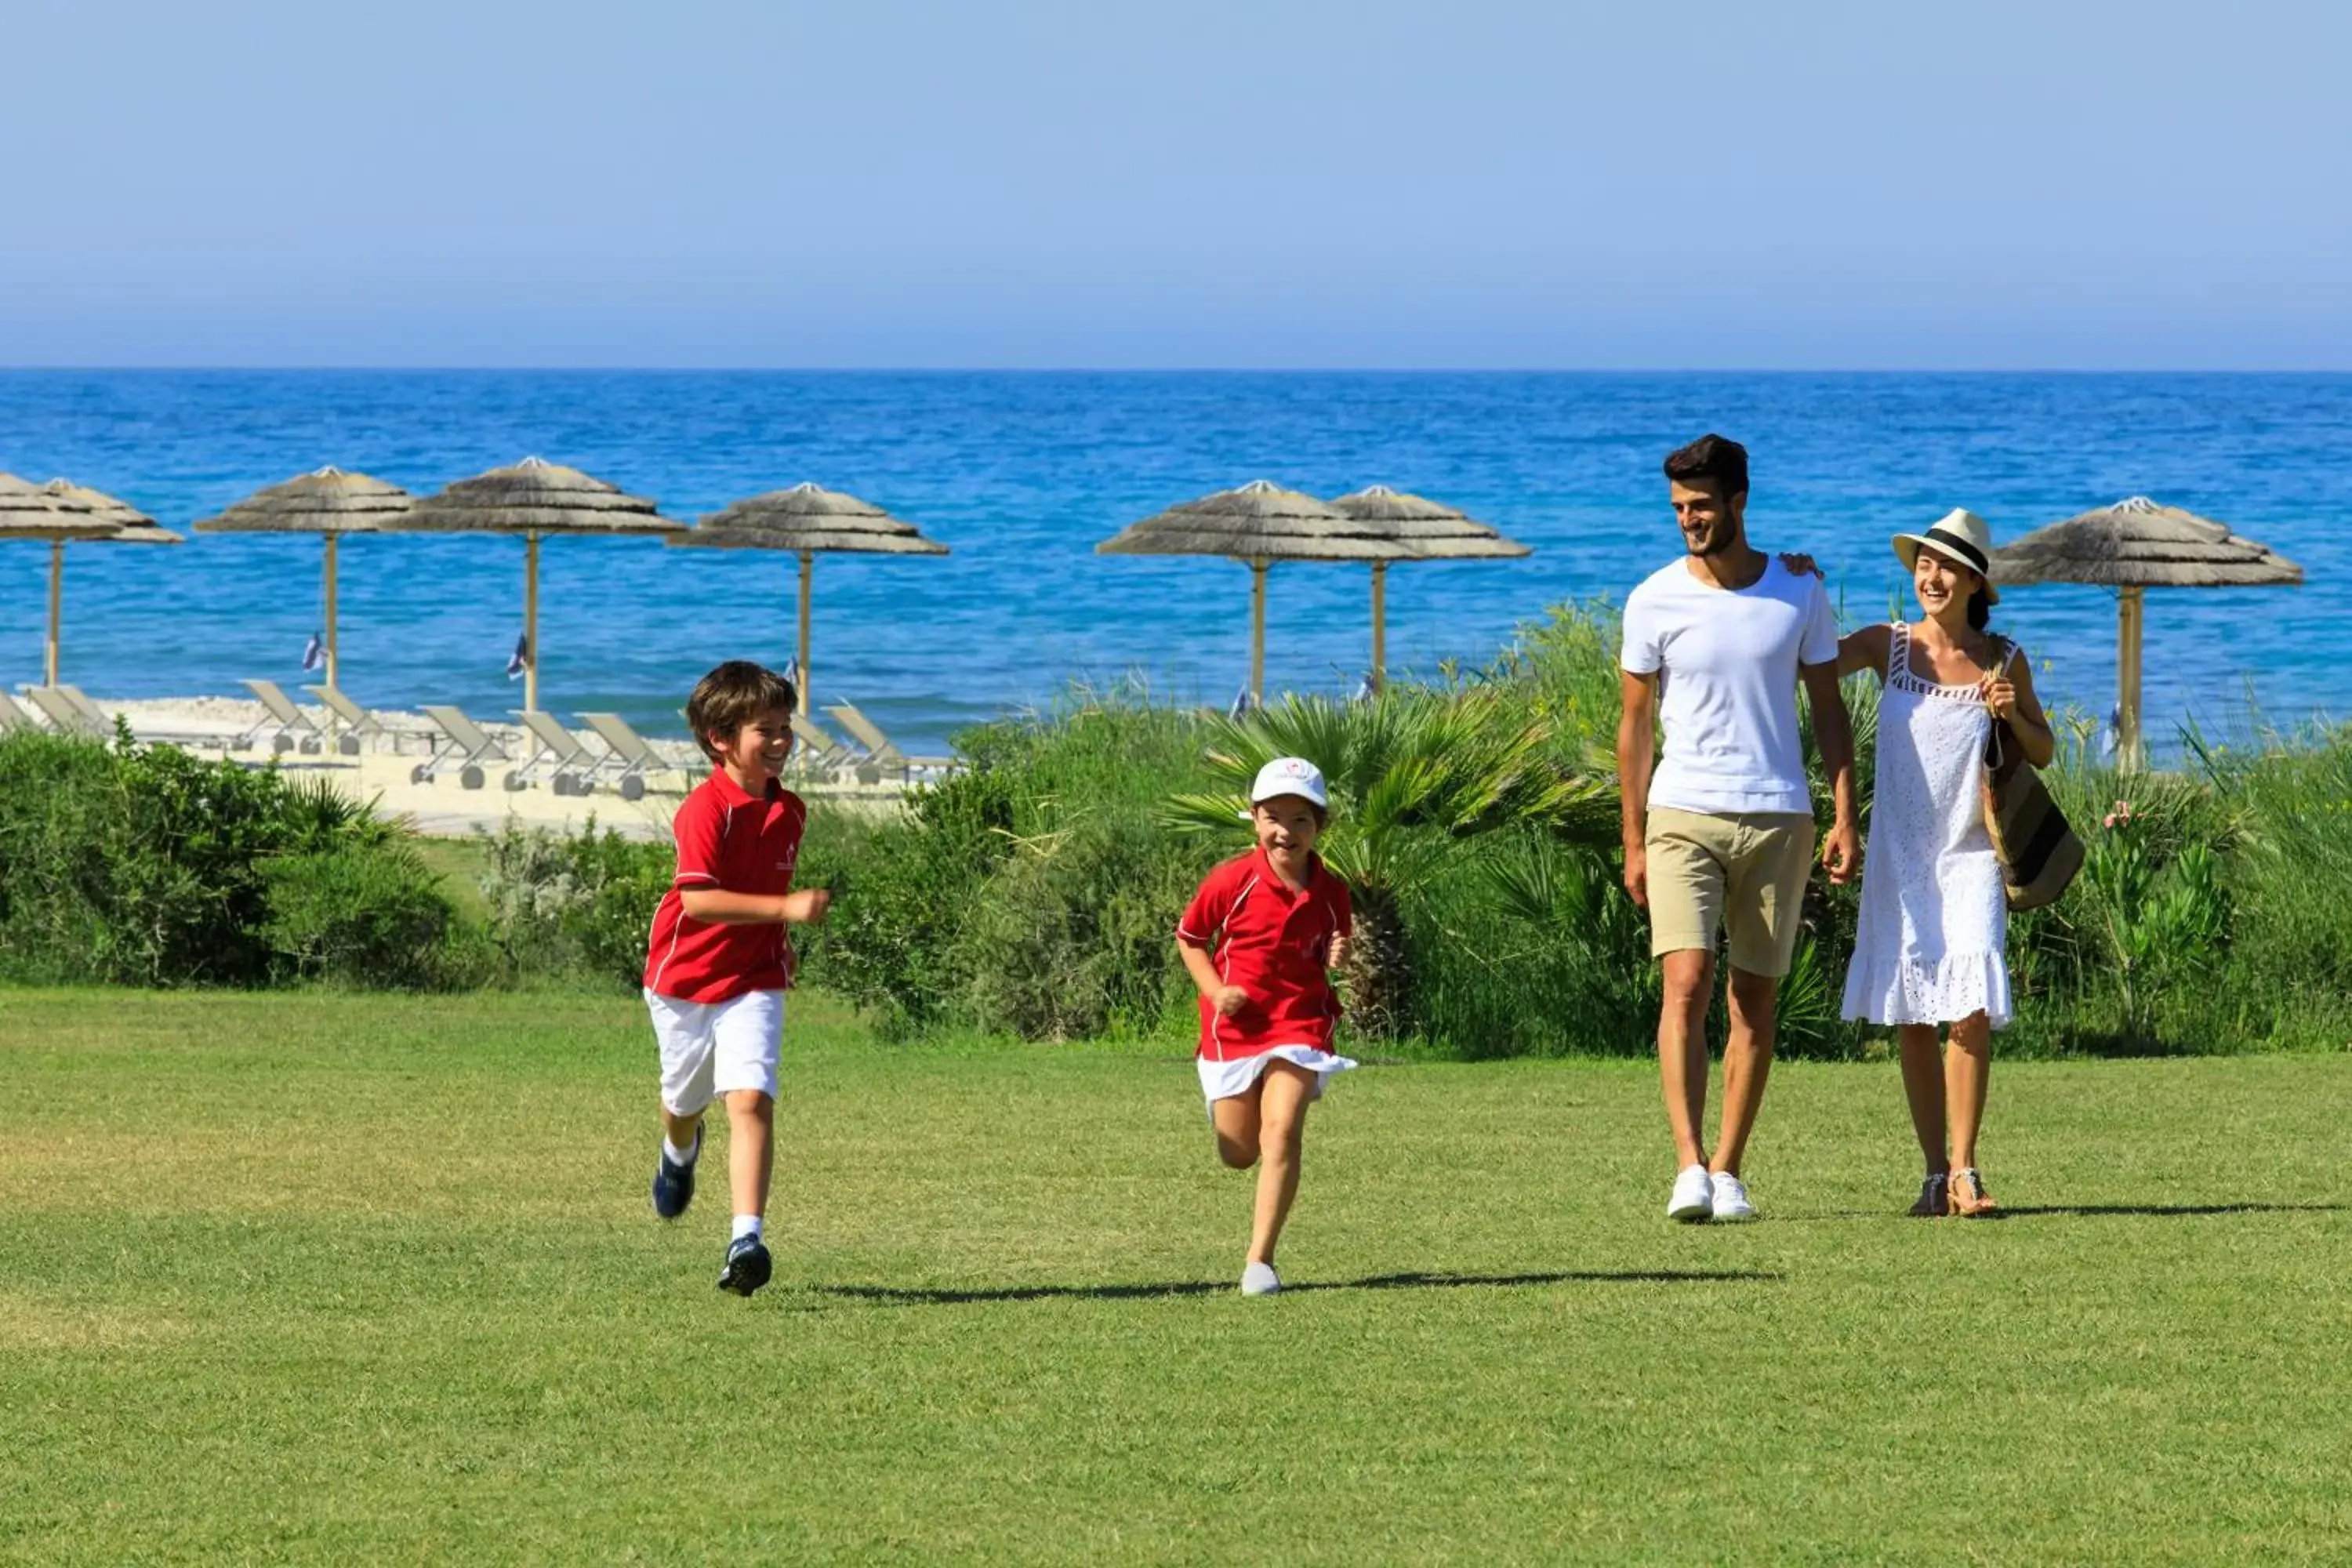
{"x": 1243, "y": 706}
{"x": 314, "y": 652}
{"x": 520, "y": 659}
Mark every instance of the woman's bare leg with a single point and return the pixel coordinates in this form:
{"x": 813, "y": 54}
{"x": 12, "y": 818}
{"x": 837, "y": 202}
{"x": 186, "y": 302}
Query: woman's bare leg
{"x": 1923, "y": 1086}
{"x": 1283, "y": 1094}
{"x": 1968, "y": 1066}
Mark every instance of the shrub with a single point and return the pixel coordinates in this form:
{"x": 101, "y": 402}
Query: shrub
{"x": 578, "y": 905}
{"x": 370, "y": 915}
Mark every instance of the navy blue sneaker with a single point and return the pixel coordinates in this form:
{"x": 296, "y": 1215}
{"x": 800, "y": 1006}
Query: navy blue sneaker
{"x": 748, "y": 1266}
{"x": 673, "y": 1186}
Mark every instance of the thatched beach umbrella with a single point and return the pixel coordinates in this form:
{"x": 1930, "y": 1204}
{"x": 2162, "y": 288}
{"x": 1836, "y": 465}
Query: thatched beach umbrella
{"x": 2131, "y": 546}
{"x": 1434, "y": 532}
{"x": 1261, "y": 523}
{"x": 28, "y": 510}
{"x": 102, "y": 519}
{"x": 807, "y": 519}
{"x": 325, "y": 501}
{"x": 532, "y": 498}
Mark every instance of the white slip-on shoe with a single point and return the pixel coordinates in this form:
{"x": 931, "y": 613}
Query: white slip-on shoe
{"x": 1731, "y": 1205}
{"x": 1694, "y": 1197}
{"x": 1260, "y": 1279}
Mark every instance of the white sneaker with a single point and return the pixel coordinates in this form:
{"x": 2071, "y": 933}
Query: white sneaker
{"x": 1694, "y": 1197}
{"x": 1260, "y": 1279}
{"x": 1731, "y": 1205}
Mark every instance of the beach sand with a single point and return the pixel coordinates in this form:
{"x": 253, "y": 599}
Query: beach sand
{"x": 381, "y": 773}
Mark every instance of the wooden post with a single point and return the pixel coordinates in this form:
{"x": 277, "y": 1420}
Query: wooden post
{"x": 531, "y": 623}
{"x": 2129, "y": 753}
{"x": 808, "y": 576}
{"x": 1379, "y": 622}
{"x": 56, "y": 610}
{"x": 334, "y": 681}
{"x": 1257, "y": 633}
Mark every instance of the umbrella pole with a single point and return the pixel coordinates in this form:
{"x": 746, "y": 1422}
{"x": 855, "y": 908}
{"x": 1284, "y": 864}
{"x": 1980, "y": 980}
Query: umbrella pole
{"x": 1257, "y": 633}
{"x": 1379, "y": 622}
{"x": 56, "y": 609}
{"x": 531, "y": 623}
{"x": 2128, "y": 606}
{"x": 334, "y": 683}
{"x": 808, "y": 575}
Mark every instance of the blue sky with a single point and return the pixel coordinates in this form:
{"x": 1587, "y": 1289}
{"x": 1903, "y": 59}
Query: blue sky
{"x": 1220, "y": 183}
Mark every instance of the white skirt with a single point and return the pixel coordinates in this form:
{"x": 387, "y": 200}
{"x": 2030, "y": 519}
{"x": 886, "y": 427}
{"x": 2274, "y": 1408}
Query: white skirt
{"x": 1234, "y": 1076}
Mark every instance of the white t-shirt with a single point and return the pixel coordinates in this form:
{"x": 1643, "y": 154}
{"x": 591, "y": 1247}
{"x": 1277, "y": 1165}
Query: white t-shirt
{"x": 1727, "y": 664}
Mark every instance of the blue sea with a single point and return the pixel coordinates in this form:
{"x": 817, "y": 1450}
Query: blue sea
{"x": 1021, "y": 473}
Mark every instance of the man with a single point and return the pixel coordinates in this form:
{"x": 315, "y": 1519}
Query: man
{"x": 1720, "y": 835}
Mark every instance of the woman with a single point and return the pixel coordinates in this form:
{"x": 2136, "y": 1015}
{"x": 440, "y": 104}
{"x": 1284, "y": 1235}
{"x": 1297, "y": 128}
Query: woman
{"x": 1935, "y": 919}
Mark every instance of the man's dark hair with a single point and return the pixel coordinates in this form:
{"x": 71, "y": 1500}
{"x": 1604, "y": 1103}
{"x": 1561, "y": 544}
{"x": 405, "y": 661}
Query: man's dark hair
{"x": 732, "y": 696}
{"x": 1711, "y": 459}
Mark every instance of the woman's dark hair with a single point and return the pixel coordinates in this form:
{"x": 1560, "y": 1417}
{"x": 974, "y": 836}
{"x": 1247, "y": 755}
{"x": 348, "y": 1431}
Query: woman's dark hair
{"x": 1711, "y": 459}
{"x": 1979, "y": 610}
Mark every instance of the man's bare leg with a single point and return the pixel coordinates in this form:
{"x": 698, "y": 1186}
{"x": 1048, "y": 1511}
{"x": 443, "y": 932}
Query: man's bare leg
{"x": 1689, "y": 981}
{"x": 1747, "y": 1062}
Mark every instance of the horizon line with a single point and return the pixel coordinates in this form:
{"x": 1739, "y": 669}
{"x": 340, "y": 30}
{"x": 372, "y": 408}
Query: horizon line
{"x": 137, "y": 369}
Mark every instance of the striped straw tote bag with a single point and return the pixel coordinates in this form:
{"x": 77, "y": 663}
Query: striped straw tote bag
{"x": 2037, "y": 847}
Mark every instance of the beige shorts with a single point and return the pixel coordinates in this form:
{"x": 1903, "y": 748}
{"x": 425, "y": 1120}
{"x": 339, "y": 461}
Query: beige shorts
{"x": 1744, "y": 873}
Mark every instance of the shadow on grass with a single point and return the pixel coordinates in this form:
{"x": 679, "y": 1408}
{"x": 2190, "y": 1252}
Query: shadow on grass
{"x": 2161, "y": 1211}
{"x": 903, "y": 1296}
{"x": 2082, "y": 1211}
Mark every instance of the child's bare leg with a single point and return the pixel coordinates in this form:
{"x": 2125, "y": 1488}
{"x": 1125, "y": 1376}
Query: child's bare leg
{"x": 1283, "y": 1094}
{"x": 681, "y": 1130}
{"x": 1236, "y": 1124}
{"x": 751, "y": 1127}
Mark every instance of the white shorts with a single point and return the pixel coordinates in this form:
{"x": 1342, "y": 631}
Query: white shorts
{"x": 710, "y": 1048}
{"x": 1234, "y": 1076}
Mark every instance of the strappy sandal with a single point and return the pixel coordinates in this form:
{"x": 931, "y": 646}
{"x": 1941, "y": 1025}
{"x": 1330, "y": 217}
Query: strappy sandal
{"x": 1970, "y": 1199}
{"x": 1935, "y": 1197}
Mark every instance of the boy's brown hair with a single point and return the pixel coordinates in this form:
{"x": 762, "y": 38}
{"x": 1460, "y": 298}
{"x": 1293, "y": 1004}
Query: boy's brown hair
{"x": 732, "y": 696}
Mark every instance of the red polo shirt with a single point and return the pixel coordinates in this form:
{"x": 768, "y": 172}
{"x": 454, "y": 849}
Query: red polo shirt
{"x": 1274, "y": 944}
{"x": 726, "y": 839}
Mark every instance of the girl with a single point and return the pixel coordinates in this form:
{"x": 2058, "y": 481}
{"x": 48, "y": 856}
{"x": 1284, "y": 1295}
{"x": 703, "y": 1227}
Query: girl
{"x": 1259, "y": 939}
{"x": 1930, "y": 945}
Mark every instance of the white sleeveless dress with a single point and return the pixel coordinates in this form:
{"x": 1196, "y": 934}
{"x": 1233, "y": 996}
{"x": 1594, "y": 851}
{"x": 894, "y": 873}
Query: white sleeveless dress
{"x": 1930, "y": 947}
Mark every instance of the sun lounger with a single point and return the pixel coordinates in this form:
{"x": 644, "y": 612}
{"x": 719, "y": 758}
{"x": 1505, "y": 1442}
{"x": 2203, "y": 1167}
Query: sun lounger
{"x": 817, "y": 756}
{"x": 556, "y": 755}
{"x": 628, "y": 756}
{"x": 85, "y": 707}
{"x": 879, "y": 752}
{"x": 12, "y": 718}
{"x": 286, "y": 727}
{"x": 463, "y": 746}
{"x": 357, "y": 723}
{"x": 67, "y": 717}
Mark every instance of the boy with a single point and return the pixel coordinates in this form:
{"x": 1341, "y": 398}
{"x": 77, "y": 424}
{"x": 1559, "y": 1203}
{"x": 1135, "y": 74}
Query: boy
{"x": 719, "y": 965}
{"x": 1259, "y": 939}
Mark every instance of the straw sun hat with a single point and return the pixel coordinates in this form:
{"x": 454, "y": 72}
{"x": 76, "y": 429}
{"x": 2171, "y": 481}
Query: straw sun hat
{"x": 1960, "y": 537}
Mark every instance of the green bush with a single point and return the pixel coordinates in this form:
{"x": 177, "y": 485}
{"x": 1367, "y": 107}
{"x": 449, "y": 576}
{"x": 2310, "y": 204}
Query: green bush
{"x": 362, "y": 916}
{"x": 144, "y": 865}
{"x": 572, "y": 906}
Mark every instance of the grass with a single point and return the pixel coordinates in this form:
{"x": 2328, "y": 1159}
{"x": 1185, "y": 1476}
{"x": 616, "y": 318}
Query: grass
{"x": 316, "y": 1277}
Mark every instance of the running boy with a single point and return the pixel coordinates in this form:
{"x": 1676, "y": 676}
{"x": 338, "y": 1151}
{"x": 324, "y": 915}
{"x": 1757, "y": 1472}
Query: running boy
{"x": 719, "y": 965}
{"x": 1258, "y": 940}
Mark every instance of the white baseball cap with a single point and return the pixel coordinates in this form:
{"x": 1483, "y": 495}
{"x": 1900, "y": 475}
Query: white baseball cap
{"x": 1290, "y": 776}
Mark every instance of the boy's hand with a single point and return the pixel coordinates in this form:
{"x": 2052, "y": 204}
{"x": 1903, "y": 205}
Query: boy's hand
{"x": 1337, "y": 958}
{"x": 806, "y": 907}
{"x": 1229, "y": 1001}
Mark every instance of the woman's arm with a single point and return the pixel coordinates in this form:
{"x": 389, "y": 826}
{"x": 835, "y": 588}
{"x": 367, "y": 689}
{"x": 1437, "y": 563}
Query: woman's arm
{"x": 2008, "y": 696}
{"x": 1864, "y": 649}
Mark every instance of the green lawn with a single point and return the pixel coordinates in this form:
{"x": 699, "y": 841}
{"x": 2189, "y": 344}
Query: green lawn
{"x": 375, "y": 1279}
